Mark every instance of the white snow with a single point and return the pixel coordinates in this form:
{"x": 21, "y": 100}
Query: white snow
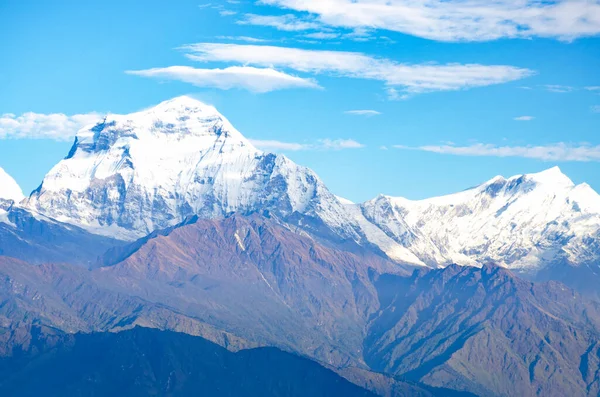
{"x": 149, "y": 170}
{"x": 239, "y": 241}
{"x": 9, "y": 189}
{"x": 519, "y": 222}
{"x": 137, "y": 173}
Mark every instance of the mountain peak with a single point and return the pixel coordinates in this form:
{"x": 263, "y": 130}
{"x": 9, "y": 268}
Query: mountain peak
{"x": 133, "y": 174}
{"x": 185, "y": 103}
{"x": 9, "y": 189}
{"x": 181, "y": 123}
{"x": 552, "y": 176}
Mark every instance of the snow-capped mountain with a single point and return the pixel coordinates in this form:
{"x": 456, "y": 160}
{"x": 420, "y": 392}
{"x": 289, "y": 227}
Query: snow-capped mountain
{"x": 9, "y": 189}
{"x": 524, "y": 222}
{"x": 10, "y": 193}
{"x": 133, "y": 174}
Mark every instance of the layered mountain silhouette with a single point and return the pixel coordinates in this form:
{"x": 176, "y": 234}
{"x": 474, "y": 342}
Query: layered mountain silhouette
{"x": 144, "y": 362}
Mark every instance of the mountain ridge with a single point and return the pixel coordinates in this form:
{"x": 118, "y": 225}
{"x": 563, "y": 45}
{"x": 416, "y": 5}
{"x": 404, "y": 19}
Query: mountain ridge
{"x": 132, "y": 175}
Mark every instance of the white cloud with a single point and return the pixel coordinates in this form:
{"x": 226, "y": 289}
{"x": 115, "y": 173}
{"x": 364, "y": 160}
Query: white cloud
{"x": 596, "y": 109}
{"x": 245, "y": 77}
{"x": 288, "y": 23}
{"x": 55, "y": 126}
{"x": 322, "y": 144}
{"x": 243, "y": 38}
{"x": 227, "y": 13}
{"x": 524, "y": 118}
{"x": 409, "y": 78}
{"x": 339, "y": 144}
{"x": 322, "y": 35}
{"x": 278, "y": 145}
{"x": 458, "y": 20}
{"x": 561, "y": 89}
{"x": 365, "y": 112}
{"x": 593, "y": 88}
{"x": 552, "y": 152}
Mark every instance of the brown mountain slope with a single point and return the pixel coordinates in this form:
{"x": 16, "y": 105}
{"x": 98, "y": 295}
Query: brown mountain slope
{"x": 259, "y": 280}
{"x": 240, "y": 282}
{"x": 487, "y": 332}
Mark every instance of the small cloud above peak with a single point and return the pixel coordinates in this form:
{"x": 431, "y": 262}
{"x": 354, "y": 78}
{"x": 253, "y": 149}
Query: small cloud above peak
{"x": 258, "y": 80}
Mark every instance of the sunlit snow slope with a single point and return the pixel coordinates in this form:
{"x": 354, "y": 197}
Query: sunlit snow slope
{"x": 9, "y": 189}
{"x": 521, "y": 222}
{"x": 133, "y": 174}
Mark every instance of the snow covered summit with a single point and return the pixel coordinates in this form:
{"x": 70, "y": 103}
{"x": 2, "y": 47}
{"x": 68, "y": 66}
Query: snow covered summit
{"x": 9, "y": 189}
{"x": 523, "y": 222}
{"x": 133, "y": 174}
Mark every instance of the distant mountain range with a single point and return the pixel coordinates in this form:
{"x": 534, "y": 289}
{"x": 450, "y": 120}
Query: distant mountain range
{"x": 170, "y": 219}
{"x": 135, "y": 174}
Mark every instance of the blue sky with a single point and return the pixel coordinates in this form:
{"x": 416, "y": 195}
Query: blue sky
{"x": 396, "y": 98}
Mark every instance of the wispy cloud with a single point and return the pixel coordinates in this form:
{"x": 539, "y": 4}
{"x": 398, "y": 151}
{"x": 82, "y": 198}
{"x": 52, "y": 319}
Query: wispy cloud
{"x": 322, "y": 35}
{"x": 552, "y": 152}
{"x": 55, "y": 126}
{"x": 365, "y": 112}
{"x": 339, "y": 144}
{"x": 247, "y": 39}
{"x": 596, "y": 109}
{"x": 278, "y": 145}
{"x": 409, "y": 78}
{"x": 561, "y": 89}
{"x": 288, "y": 23}
{"x": 227, "y": 13}
{"x": 593, "y": 88}
{"x": 322, "y": 144}
{"x": 524, "y": 118}
{"x": 458, "y": 20}
{"x": 253, "y": 79}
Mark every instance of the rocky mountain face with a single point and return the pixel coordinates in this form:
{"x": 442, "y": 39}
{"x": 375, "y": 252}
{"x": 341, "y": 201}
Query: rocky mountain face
{"x": 456, "y": 331}
{"x": 486, "y": 331}
{"x": 525, "y": 223}
{"x": 37, "y": 239}
{"x": 246, "y": 278}
{"x": 144, "y": 362}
